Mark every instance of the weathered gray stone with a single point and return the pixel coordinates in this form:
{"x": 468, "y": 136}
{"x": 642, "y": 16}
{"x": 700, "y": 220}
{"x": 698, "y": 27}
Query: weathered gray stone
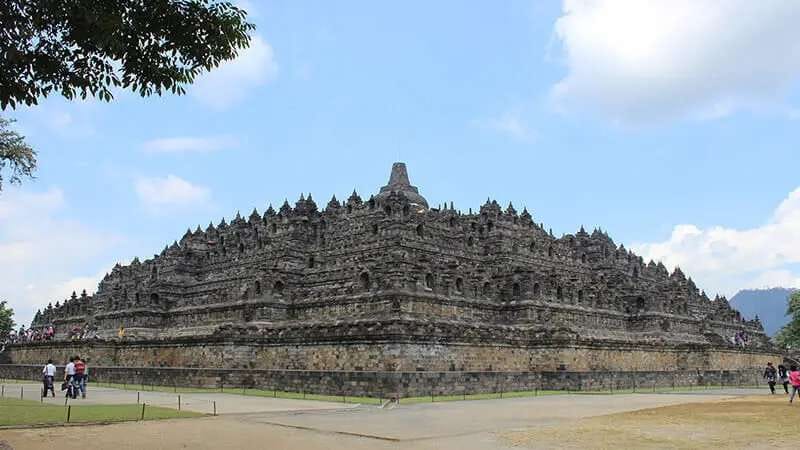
{"x": 389, "y": 284}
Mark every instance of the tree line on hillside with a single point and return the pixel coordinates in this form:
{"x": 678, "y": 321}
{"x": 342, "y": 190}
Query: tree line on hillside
{"x": 789, "y": 335}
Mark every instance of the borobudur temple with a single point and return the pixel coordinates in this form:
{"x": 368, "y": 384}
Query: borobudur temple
{"x": 389, "y": 295}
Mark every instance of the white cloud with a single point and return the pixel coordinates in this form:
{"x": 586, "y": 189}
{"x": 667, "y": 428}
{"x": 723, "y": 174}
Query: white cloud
{"x": 57, "y": 118}
{"x": 170, "y": 192}
{"x": 233, "y": 80}
{"x": 647, "y": 60}
{"x": 508, "y": 124}
{"x": 188, "y": 144}
{"x": 77, "y": 284}
{"x": 725, "y": 259}
{"x": 42, "y": 254}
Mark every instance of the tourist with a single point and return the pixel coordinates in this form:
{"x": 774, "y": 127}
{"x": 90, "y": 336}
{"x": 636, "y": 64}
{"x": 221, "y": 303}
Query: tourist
{"x": 80, "y": 370}
{"x": 771, "y": 375}
{"x": 69, "y": 376}
{"x": 794, "y": 378}
{"x": 783, "y": 375}
{"x": 84, "y": 379}
{"x": 48, "y": 374}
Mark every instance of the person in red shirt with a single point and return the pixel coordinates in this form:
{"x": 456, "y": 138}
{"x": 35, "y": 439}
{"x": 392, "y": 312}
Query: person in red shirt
{"x": 80, "y": 371}
{"x": 794, "y": 379}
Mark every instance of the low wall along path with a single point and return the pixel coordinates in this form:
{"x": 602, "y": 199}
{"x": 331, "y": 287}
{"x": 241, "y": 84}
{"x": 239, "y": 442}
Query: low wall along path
{"x": 384, "y": 384}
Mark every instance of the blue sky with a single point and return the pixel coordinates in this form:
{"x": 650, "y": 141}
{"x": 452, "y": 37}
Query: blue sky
{"x": 673, "y": 125}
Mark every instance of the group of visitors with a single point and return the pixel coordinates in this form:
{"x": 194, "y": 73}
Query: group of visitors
{"x": 87, "y": 331}
{"x": 47, "y": 333}
{"x": 741, "y": 339}
{"x": 786, "y": 377}
{"x": 76, "y": 375}
{"x": 31, "y": 335}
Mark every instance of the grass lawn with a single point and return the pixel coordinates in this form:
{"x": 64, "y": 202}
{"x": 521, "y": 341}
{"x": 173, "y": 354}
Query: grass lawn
{"x": 324, "y": 398}
{"x": 27, "y": 412}
{"x": 240, "y": 391}
{"x": 599, "y": 390}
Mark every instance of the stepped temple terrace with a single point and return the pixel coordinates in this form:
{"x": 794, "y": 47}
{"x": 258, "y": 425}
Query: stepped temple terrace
{"x": 389, "y": 295}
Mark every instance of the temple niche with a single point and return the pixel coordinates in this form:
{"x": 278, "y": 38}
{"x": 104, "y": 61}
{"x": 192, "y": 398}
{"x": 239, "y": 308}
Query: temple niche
{"x": 492, "y": 275}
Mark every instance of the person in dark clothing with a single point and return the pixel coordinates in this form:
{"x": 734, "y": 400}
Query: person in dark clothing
{"x": 48, "y": 374}
{"x": 771, "y": 375}
{"x": 69, "y": 378}
{"x": 783, "y": 375}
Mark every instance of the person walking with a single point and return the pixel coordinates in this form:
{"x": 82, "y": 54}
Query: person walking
{"x": 783, "y": 376}
{"x": 80, "y": 374}
{"x": 794, "y": 379}
{"x": 48, "y": 374}
{"x": 771, "y": 376}
{"x": 69, "y": 376}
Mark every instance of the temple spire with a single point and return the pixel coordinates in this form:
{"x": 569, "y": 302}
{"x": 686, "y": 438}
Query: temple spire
{"x": 399, "y": 183}
{"x": 399, "y": 176}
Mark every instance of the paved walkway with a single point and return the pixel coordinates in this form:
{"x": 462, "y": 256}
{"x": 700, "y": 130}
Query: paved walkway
{"x": 254, "y": 422}
{"x": 458, "y": 418}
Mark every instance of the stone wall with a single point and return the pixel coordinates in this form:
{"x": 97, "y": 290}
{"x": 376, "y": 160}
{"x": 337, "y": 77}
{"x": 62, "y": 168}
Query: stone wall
{"x": 363, "y": 355}
{"x": 386, "y": 384}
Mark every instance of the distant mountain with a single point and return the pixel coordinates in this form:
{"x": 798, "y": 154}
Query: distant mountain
{"x": 768, "y": 304}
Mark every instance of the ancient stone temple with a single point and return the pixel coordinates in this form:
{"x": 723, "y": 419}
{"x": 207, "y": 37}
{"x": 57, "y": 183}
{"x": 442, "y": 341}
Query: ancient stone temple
{"x": 390, "y": 285}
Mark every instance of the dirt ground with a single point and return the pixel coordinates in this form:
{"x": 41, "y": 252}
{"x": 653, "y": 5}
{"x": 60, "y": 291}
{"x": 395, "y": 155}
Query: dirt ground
{"x": 752, "y": 422}
{"x": 728, "y": 420}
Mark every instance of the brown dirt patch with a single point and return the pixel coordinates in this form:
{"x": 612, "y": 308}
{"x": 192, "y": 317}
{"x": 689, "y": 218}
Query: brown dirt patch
{"x": 748, "y": 422}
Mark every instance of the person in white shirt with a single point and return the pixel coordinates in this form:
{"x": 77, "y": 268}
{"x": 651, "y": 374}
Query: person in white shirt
{"x": 48, "y": 374}
{"x": 69, "y": 375}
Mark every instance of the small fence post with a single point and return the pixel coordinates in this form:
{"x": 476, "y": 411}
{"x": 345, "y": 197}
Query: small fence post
{"x": 143, "y": 407}
{"x": 215, "y": 407}
{"x": 138, "y": 395}
{"x": 3, "y": 391}
{"x": 69, "y": 412}
{"x": 179, "y": 403}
